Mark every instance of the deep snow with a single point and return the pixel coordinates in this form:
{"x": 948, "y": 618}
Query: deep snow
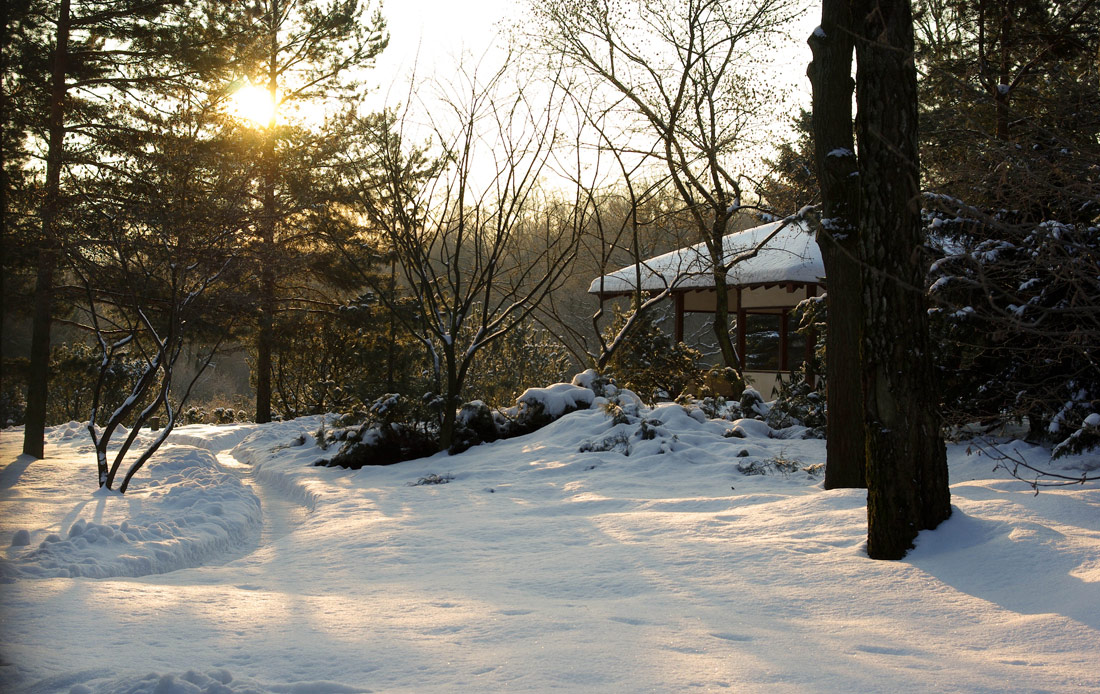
{"x": 538, "y": 567}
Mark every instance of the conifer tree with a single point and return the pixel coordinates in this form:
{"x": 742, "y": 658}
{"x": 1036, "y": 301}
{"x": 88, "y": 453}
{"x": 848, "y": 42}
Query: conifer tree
{"x": 78, "y": 68}
{"x": 305, "y": 54}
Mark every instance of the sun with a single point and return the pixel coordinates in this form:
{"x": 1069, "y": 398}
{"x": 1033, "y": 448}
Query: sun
{"x": 253, "y": 104}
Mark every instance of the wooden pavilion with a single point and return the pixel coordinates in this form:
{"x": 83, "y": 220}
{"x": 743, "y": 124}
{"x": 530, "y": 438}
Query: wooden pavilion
{"x": 765, "y": 287}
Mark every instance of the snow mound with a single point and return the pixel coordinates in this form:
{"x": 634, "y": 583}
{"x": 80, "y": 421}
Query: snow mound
{"x": 212, "y": 437}
{"x": 557, "y": 399}
{"x": 183, "y": 508}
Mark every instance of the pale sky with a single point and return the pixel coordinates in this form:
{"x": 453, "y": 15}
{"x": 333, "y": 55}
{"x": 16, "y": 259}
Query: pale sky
{"x": 431, "y": 35}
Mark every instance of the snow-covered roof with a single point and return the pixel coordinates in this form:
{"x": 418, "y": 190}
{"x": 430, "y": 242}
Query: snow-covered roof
{"x": 791, "y": 255}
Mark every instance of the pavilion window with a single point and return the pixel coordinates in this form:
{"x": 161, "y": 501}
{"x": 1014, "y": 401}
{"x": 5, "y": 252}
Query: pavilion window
{"x": 762, "y": 341}
{"x": 796, "y": 343}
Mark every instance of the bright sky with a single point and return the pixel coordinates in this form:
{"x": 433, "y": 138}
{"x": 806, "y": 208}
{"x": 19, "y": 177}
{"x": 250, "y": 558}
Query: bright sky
{"x": 432, "y": 35}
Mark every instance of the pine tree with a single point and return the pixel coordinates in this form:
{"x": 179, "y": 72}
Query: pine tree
{"x": 1009, "y": 115}
{"x": 77, "y": 68}
{"x": 304, "y": 53}
{"x": 1011, "y": 133}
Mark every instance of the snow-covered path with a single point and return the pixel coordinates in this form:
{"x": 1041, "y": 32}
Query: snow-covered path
{"x": 280, "y": 515}
{"x": 541, "y": 568}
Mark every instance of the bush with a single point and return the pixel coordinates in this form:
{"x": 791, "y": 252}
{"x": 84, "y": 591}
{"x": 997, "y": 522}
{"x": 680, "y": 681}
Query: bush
{"x": 340, "y": 360}
{"x": 800, "y": 402}
{"x": 194, "y": 415}
{"x": 779, "y": 464}
{"x": 649, "y": 362}
{"x": 74, "y": 370}
{"x": 752, "y": 403}
{"x": 1015, "y": 321}
{"x": 397, "y": 428}
{"x": 475, "y": 424}
{"x": 1086, "y": 438}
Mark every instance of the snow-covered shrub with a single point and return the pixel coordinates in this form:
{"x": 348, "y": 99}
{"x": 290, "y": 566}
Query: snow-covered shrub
{"x": 397, "y": 428}
{"x": 602, "y": 385}
{"x": 1014, "y": 318}
{"x": 711, "y": 406}
{"x": 800, "y": 401}
{"x": 474, "y": 424}
{"x": 651, "y": 363}
{"x": 617, "y": 441}
{"x": 431, "y": 479}
{"x": 779, "y": 464}
{"x": 722, "y": 381}
{"x": 224, "y": 415}
{"x": 194, "y": 415}
{"x": 1086, "y": 438}
{"x": 615, "y": 411}
{"x": 537, "y": 407}
{"x": 626, "y": 434}
{"x": 752, "y": 403}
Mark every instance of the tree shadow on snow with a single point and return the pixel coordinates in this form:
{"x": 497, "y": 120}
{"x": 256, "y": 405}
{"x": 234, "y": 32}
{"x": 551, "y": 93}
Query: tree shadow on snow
{"x": 1025, "y": 564}
{"x": 11, "y": 474}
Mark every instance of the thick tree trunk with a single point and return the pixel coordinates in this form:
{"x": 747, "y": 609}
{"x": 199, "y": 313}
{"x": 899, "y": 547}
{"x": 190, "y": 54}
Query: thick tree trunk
{"x": 38, "y": 374}
{"x": 906, "y": 462}
{"x": 838, "y": 237}
{"x": 265, "y": 333}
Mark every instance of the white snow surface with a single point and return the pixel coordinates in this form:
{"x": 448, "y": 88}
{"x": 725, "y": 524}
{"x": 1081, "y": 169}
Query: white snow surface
{"x": 791, "y": 256}
{"x": 643, "y": 564}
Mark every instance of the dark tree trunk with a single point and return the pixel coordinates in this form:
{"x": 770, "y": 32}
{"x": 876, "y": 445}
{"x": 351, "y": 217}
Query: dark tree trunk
{"x": 838, "y": 237}
{"x": 730, "y": 357}
{"x": 49, "y": 243}
{"x": 453, "y": 379}
{"x": 265, "y": 334}
{"x": 906, "y": 461}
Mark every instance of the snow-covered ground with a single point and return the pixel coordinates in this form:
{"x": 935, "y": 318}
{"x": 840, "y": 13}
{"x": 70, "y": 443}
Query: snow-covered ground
{"x": 234, "y": 565}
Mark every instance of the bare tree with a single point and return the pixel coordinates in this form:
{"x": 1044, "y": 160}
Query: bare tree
{"x": 127, "y": 322}
{"x": 159, "y": 244}
{"x": 621, "y": 201}
{"x": 478, "y": 241}
{"x": 684, "y": 70}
